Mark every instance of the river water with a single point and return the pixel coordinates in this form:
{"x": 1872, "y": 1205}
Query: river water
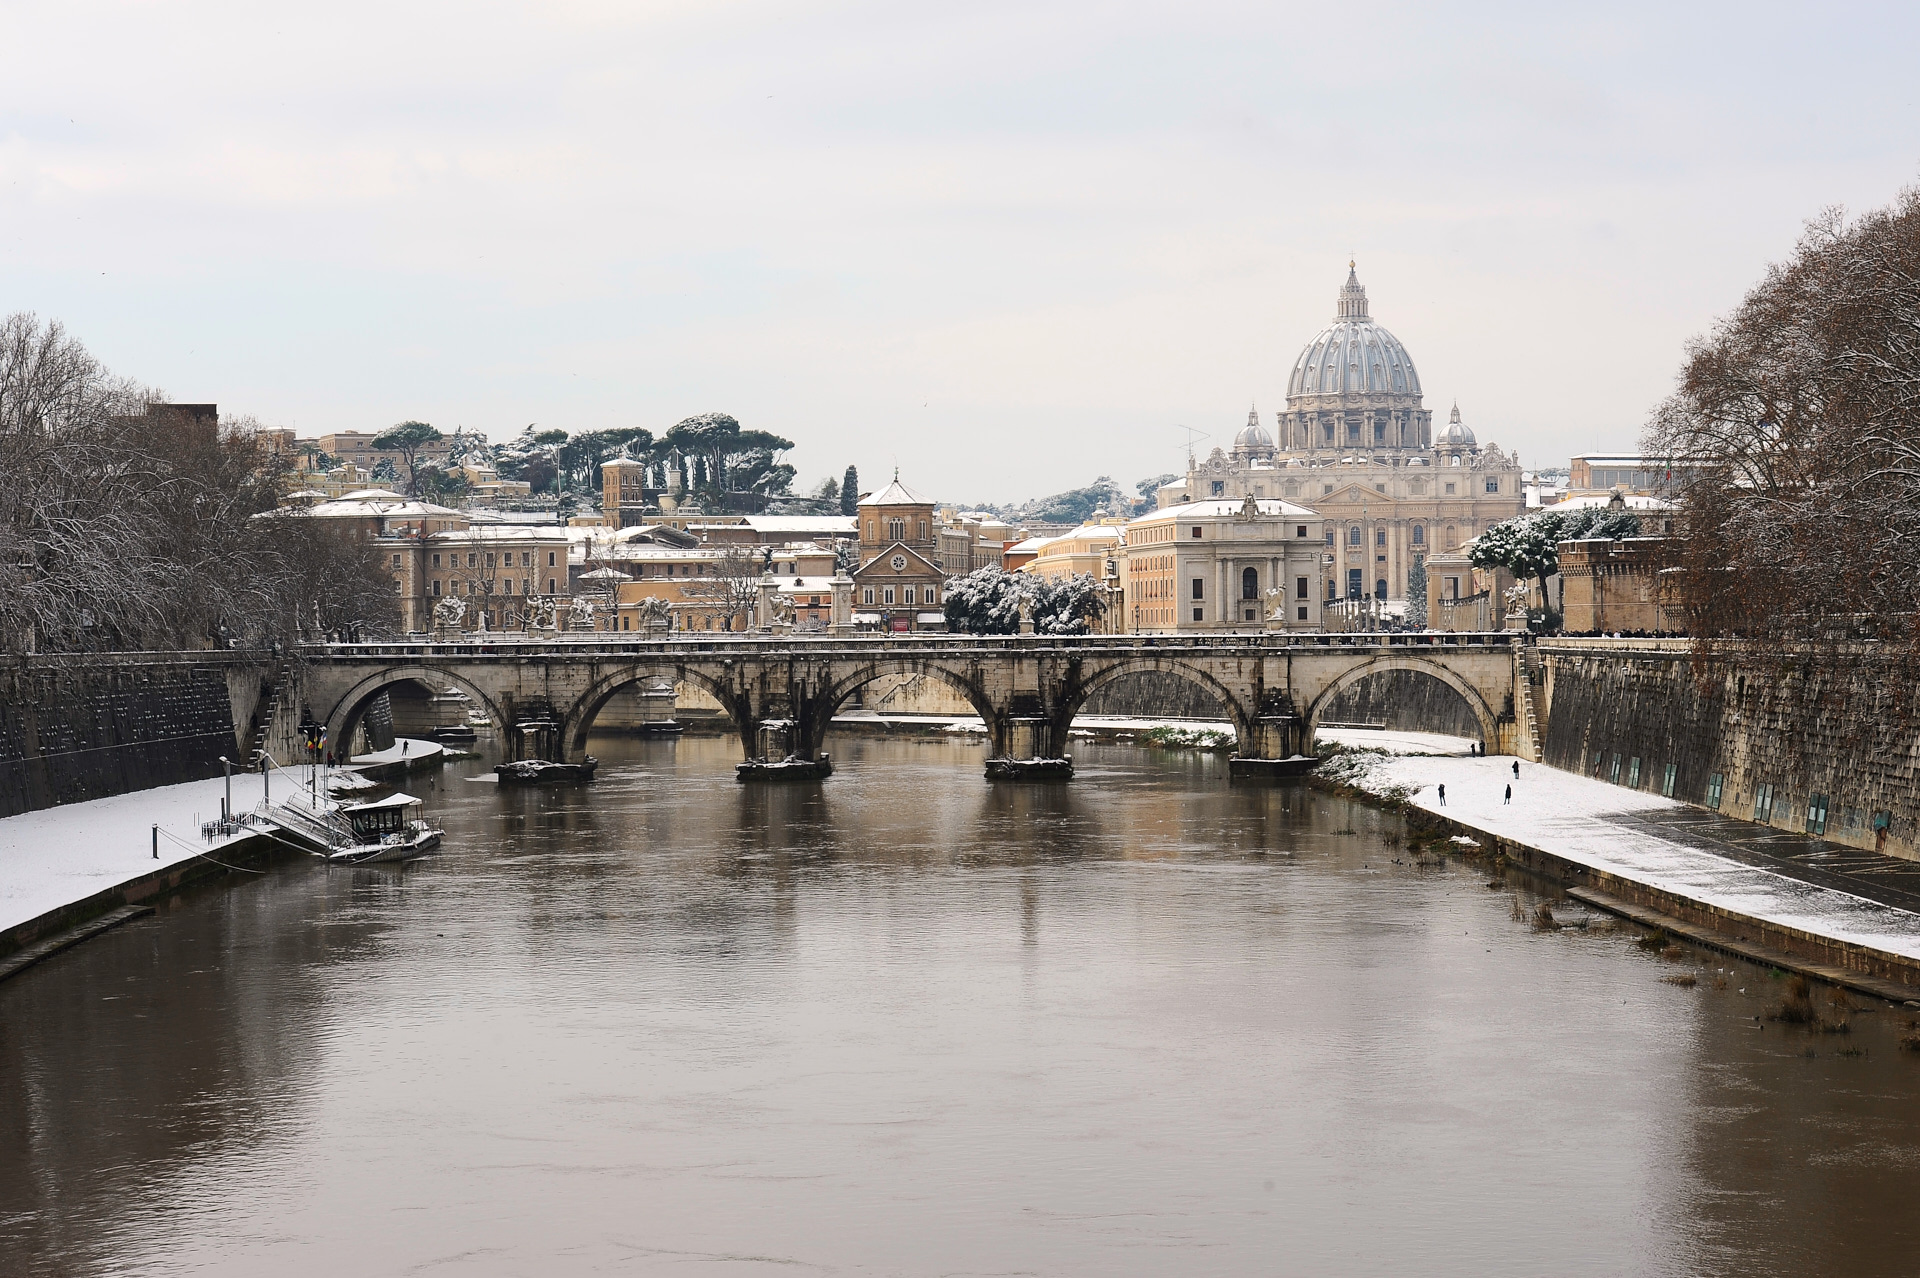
{"x": 911, "y": 1022}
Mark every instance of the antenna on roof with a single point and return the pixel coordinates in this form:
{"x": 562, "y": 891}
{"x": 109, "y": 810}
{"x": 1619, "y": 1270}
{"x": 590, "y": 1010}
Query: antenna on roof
{"x": 1194, "y": 436}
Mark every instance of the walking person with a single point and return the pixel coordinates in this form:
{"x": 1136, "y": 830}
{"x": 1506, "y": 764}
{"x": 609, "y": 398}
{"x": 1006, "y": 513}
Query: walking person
{"x": 1509, "y": 798}
{"x": 1516, "y": 769}
{"x": 1443, "y": 796}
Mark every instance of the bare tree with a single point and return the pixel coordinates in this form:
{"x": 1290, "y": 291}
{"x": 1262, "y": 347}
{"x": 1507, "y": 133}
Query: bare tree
{"x": 729, "y": 588}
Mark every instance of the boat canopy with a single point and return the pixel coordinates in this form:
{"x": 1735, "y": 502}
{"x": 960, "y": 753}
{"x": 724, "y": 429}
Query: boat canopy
{"x": 391, "y": 801}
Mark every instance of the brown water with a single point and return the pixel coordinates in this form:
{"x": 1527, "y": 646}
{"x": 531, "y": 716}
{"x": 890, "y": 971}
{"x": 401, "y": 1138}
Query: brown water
{"x": 910, "y": 1022}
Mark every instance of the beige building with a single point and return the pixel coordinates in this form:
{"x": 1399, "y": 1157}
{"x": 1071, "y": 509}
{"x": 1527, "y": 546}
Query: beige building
{"x": 1356, "y": 444}
{"x": 356, "y": 447}
{"x": 1223, "y": 565}
{"x": 899, "y": 584}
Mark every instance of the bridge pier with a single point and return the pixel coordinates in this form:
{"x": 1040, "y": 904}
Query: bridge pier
{"x": 1272, "y": 745}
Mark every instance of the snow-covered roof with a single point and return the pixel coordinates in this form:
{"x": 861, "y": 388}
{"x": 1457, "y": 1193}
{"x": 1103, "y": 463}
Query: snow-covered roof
{"x": 895, "y": 494}
{"x": 495, "y": 534}
{"x": 1633, "y": 501}
{"x": 1031, "y": 546}
{"x": 1226, "y": 508}
{"x": 843, "y": 525}
{"x": 372, "y": 503}
{"x": 606, "y": 574}
{"x": 804, "y": 585}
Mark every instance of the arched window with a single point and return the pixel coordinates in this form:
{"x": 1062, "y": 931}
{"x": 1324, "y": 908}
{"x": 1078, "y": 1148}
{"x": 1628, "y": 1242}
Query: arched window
{"x": 1419, "y": 535}
{"x": 1453, "y": 540}
{"x": 1250, "y": 583}
{"x": 1353, "y": 535}
{"x": 1380, "y": 588}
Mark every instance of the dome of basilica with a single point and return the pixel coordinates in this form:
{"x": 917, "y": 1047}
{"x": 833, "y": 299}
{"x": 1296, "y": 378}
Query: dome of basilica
{"x": 1455, "y": 434}
{"x": 1253, "y": 437}
{"x": 1353, "y": 355}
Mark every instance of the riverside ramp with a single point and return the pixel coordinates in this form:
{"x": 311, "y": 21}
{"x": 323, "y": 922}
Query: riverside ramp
{"x": 1658, "y": 860}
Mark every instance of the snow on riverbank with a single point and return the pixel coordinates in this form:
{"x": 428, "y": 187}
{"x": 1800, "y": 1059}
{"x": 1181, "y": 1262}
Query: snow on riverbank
{"x": 1581, "y": 819}
{"x": 403, "y": 750}
{"x": 57, "y": 856}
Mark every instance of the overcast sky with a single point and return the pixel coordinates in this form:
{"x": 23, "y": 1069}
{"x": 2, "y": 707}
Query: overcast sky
{"x": 1005, "y": 247}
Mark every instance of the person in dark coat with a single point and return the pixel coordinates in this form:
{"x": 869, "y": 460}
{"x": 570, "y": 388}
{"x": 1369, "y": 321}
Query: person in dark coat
{"x": 1509, "y": 798}
{"x": 1516, "y": 769}
{"x": 1443, "y": 796}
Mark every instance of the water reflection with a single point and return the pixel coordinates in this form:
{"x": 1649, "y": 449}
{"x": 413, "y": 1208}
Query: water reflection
{"x": 908, "y": 1021}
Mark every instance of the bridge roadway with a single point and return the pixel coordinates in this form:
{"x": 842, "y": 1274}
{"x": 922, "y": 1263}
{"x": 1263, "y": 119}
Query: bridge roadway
{"x": 781, "y": 692}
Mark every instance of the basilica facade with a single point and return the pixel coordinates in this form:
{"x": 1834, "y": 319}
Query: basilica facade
{"x": 1357, "y": 445}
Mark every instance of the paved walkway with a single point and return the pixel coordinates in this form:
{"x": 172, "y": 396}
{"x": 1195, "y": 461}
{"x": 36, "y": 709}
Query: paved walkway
{"x": 1748, "y": 869}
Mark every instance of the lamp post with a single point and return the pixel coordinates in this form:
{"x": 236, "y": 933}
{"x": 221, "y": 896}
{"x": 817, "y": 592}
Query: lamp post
{"x": 226, "y": 804}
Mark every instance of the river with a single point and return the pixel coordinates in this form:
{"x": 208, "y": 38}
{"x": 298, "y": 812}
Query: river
{"x": 912, "y": 1022}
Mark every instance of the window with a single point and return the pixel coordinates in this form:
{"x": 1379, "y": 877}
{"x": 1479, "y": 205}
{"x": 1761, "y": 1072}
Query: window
{"x": 1763, "y": 804}
{"x": 1329, "y": 534}
{"x": 866, "y": 596}
{"x": 1250, "y": 584}
{"x": 1199, "y": 614}
{"x": 1249, "y": 614}
{"x": 1419, "y": 535}
{"x": 1380, "y": 588}
{"x": 1353, "y": 583}
{"x": 1379, "y": 488}
{"x": 1199, "y": 588}
{"x": 932, "y": 595}
{"x": 550, "y": 562}
{"x": 1493, "y": 485}
{"x": 1715, "y": 783}
{"x": 489, "y": 559}
{"x": 1379, "y": 536}
{"x": 1300, "y": 530}
{"x": 1667, "y": 779}
{"x": 1326, "y": 490}
{"x": 1613, "y": 773}
{"x": 436, "y": 561}
{"x": 1380, "y": 434}
{"x": 896, "y": 530}
{"x": 910, "y": 594}
{"x": 1299, "y": 587}
{"x": 436, "y": 585}
{"x": 509, "y": 585}
{"x": 396, "y": 561}
{"x": 549, "y": 585}
{"x": 1633, "y": 773}
{"x": 887, "y": 594}
{"x": 1219, "y": 487}
{"x": 473, "y": 560}
{"x": 1817, "y": 814}
{"x": 1302, "y": 612}
{"x": 1196, "y": 532}
{"x": 1449, "y": 490}
{"x": 1353, "y": 535}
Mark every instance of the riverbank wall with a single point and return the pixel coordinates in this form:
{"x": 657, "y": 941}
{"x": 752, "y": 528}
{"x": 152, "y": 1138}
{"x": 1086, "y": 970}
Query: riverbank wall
{"x": 1824, "y": 743}
{"x": 79, "y": 727}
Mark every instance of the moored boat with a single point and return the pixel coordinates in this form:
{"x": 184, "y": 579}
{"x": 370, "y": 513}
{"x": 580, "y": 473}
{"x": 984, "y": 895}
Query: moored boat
{"x": 546, "y": 772}
{"x": 386, "y": 829}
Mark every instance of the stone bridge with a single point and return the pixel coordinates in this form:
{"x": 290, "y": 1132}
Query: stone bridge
{"x": 544, "y": 693}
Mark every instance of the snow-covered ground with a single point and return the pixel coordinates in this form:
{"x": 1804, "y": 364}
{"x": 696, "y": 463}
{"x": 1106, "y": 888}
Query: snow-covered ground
{"x": 403, "y": 748}
{"x": 1580, "y": 818}
{"x": 57, "y": 856}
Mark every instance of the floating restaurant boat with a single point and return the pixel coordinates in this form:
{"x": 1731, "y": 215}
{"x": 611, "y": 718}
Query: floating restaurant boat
{"x": 386, "y": 829}
{"x": 546, "y": 772}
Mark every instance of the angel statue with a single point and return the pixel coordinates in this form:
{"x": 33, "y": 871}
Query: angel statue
{"x": 449, "y": 613}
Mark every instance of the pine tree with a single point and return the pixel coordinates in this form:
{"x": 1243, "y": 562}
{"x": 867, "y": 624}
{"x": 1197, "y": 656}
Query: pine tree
{"x": 850, "y": 493}
{"x": 1417, "y": 593}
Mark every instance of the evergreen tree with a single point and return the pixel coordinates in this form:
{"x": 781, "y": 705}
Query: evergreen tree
{"x": 850, "y": 493}
{"x": 1417, "y": 594}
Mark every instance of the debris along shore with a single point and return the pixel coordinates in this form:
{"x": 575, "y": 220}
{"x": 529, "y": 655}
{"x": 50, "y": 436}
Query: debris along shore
{"x": 1651, "y": 858}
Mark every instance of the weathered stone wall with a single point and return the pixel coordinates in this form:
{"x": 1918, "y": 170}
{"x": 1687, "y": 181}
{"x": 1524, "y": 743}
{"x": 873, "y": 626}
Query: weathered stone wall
{"x": 75, "y": 728}
{"x": 1405, "y": 701}
{"x": 1844, "y": 729}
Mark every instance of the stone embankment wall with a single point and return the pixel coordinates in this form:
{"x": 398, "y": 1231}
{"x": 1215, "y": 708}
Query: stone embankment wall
{"x": 1762, "y": 736}
{"x": 74, "y": 728}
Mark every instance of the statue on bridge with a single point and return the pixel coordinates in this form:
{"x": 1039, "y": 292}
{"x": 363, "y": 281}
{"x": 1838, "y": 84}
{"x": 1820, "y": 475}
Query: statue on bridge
{"x": 449, "y": 613}
{"x": 580, "y": 615}
{"x": 541, "y": 613}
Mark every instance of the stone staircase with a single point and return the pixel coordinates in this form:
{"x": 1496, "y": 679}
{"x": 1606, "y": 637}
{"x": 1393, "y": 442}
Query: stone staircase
{"x": 1525, "y": 661}
{"x": 276, "y": 704}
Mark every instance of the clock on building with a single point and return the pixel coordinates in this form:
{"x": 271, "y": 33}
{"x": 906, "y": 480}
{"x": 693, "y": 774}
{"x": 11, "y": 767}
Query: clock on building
{"x": 899, "y": 563}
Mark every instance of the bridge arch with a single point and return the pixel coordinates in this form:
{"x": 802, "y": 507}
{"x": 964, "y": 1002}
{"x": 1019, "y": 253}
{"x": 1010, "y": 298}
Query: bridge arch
{"x": 579, "y": 717}
{"x": 346, "y": 712}
{"x": 1483, "y": 713}
{"x": 836, "y": 692}
{"x": 1236, "y": 704}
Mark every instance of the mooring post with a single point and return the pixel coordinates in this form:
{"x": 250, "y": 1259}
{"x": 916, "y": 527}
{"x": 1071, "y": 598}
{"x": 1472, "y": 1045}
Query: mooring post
{"x": 156, "y": 843}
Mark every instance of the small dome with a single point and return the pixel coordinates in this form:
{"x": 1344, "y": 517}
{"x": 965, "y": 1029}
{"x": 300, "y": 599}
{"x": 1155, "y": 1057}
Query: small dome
{"x": 1456, "y": 434}
{"x": 1253, "y": 436}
